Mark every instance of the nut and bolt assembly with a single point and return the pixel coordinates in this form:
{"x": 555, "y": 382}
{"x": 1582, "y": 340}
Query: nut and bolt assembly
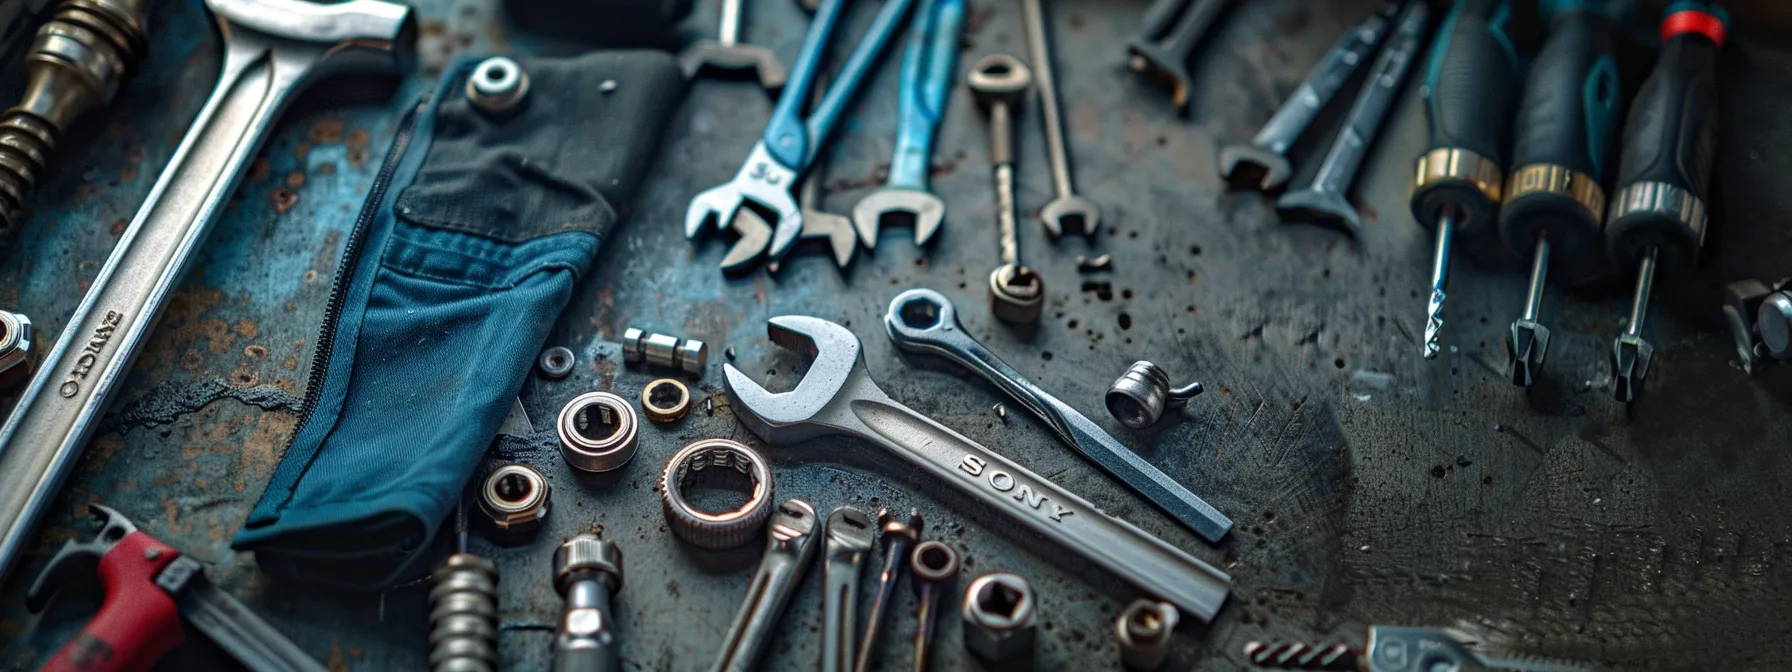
{"x": 76, "y": 63}
{"x": 588, "y": 574}
{"x": 672, "y": 352}
{"x": 1137, "y": 399}
{"x": 999, "y": 622}
{"x": 15, "y": 350}
{"x": 1143, "y": 632}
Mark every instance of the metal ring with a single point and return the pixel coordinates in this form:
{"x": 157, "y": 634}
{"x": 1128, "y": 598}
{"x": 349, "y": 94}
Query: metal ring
{"x": 602, "y": 453}
{"x": 497, "y": 84}
{"x": 727, "y": 529}
{"x": 557, "y": 362}
{"x": 664, "y": 414}
{"x": 515, "y": 496}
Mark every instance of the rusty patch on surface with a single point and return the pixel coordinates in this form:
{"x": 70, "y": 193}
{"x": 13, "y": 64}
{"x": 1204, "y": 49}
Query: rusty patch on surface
{"x": 327, "y": 131}
{"x": 302, "y": 151}
{"x": 358, "y": 139}
{"x": 170, "y": 400}
{"x": 255, "y": 351}
{"x": 118, "y": 227}
{"x": 262, "y": 450}
{"x": 295, "y": 179}
{"x": 259, "y": 170}
{"x": 192, "y": 362}
{"x": 283, "y": 199}
{"x": 248, "y": 329}
{"x": 326, "y": 169}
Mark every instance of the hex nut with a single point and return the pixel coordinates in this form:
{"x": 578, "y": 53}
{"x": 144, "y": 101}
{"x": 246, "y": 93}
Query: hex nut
{"x": 665, "y": 400}
{"x": 497, "y": 84}
{"x": 998, "y": 617}
{"x": 1143, "y": 632}
{"x": 515, "y": 497}
{"x": 15, "y": 350}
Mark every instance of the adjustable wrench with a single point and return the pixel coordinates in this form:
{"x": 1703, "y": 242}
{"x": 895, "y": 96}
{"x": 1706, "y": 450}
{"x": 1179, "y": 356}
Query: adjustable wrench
{"x": 928, "y": 66}
{"x": 1267, "y": 154}
{"x": 838, "y": 397}
{"x": 849, "y": 540}
{"x": 272, "y": 49}
{"x": 788, "y": 146}
{"x": 923, "y": 320}
{"x": 789, "y": 547}
{"x": 1326, "y": 199}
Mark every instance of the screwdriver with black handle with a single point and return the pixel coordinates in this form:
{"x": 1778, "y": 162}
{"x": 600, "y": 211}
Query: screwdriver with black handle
{"x": 1470, "y": 86}
{"x": 1555, "y": 198}
{"x": 1658, "y": 218}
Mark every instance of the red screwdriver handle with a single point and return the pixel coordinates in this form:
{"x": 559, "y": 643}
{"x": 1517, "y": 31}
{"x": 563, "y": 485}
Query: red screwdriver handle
{"x": 137, "y": 624}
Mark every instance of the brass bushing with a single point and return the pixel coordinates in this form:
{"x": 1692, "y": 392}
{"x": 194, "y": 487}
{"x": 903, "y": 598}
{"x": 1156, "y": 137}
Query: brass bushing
{"x": 665, "y": 400}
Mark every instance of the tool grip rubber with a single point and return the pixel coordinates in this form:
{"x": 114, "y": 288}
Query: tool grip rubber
{"x": 1472, "y": 80}
{"x": 137, "y": 624}
{"x": 1671, "y": 134}
{"x": 1570, "y": 105}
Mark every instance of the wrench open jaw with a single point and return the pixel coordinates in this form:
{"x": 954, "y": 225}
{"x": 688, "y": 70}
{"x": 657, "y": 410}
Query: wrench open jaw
{"x": 1239, "y": 164}
{"x": 762, "y": 180}
{"x": 927, "y": 210}
{"x": 1072, "y": 214}
{"x": 838, "y": 397}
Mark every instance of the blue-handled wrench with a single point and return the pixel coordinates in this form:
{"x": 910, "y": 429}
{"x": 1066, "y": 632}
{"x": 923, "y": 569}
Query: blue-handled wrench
{"x": 928, "y": 68}
{"x": 790, "y": 140}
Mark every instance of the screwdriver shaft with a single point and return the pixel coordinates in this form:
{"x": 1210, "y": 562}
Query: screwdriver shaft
{"x": 1440, "y": 280}
{"x": 1639, "y": 302}
{"x": 1533, "y": 300}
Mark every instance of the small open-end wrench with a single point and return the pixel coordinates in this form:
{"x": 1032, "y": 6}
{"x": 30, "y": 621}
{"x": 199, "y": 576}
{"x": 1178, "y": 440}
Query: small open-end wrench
{"x": 272, "y": 50}
{"x": 1166, "y": 55}
{"x": 928, "y": 66}
{"x": 1266, "y": 158}
{"x": 790, "y": 141}
{"x": 755, "y": 235}
{"x": 838, "y": 397}
{"x": 849, "y": 537}
{"x": 1327, "y": 198}
{"x": 899, "y": 537}
{"x": 789, "y": 548}
{"x": 1068, "y": 211}
{"x": 728, "y": 53}
{"x": 923, "y": 320}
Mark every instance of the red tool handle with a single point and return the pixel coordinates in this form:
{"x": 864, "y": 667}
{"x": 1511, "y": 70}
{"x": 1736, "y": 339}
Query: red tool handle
{"x": 137, "y": 624}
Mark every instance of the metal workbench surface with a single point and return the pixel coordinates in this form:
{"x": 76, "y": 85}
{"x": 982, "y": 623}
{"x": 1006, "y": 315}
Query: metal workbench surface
{"x": 1368, "y": 485}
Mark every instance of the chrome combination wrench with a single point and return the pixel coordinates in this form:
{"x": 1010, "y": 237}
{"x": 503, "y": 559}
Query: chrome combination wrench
{"x": 789, "y": 548}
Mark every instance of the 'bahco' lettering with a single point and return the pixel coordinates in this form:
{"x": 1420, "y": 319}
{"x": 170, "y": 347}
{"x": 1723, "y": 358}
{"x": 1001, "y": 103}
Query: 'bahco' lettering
{"x": 1003, "y": 481}
{"x": 90, "y": 354}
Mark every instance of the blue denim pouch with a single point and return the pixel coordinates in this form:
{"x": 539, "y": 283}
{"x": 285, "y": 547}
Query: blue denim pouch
{"x": 467, "y": 249}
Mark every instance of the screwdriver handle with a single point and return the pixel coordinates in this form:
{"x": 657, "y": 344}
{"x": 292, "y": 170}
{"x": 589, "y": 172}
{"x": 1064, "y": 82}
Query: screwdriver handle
{"x": 1471, "y": 85}
{"x": 1569, "y": 110}
{"x": 1670, "y": 142}
{"x": 1472, "y": 79}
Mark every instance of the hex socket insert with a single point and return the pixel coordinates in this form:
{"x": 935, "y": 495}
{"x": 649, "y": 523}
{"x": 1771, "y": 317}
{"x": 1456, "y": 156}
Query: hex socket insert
{"x": 999, "y": 616}
{"x": 1143, "y": 631}
{"x": 583, "y": 441}
{"x": 687, "y": 355}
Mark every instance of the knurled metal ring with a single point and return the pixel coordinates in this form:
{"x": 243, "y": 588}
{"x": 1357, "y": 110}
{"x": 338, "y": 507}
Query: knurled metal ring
{"x": 583, "y": 440}
{"x": 727, "y": 529}
{"x": 663, "y": 412}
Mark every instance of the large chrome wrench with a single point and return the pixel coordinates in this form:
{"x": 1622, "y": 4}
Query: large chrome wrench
{"x": 923, "y": 320}
{"x": 272, "y": 48}
{"x": 838, "y": 397}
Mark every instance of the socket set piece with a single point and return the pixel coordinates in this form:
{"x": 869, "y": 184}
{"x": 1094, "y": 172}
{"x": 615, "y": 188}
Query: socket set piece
{"x": 1143, "y": 632}
{"x": 672, "y": 352}
{"x": 588, "y": 574}
{"x": 515, "y": 497}
{"x": 728, "y": 529}
{"x": 999, "y": 622}
{"x": 666, "y": 400}
{"x": 1137, "y": 399}
{"x": 597, "y": 432}
{"x": 15, "y": 350}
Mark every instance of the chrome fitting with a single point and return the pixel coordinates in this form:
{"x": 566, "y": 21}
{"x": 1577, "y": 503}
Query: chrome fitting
{"x": 15, "y": 350}
{"x": 665, "y": 400}
{"x": 515, "y": 497}
{"x": 998, "y": 616}
{"x": 1137, "y": 399}
{"x": 597, "y": 432}
{"x": 585, "y": 556}
{"x": 1143, "y": 632}
{"x": 709, "y": 457}
{"x": 687, "y": 355}
{"x": 497, "y": 84}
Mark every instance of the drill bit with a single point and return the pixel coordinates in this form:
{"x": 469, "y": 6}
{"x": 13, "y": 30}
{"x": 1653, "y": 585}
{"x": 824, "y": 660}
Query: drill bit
{"x": 76, "y": 63}
{"x": 1301, "y": 656}
{"x": 1630, "y": 353}
{"x": 1528, "y": 340}
{"x": 1440, "y": 278}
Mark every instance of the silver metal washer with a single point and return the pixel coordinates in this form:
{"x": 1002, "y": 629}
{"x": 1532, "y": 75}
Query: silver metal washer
{"x": 497, "y": 84}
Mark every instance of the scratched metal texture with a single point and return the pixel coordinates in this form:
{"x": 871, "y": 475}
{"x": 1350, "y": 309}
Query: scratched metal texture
{"x": 1368, "y": 485}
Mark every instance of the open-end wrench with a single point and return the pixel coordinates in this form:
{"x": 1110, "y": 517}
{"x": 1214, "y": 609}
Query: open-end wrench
{"x": 755, "y": 235}
{"x": 849, "y": 538}
{"x": 728, "y": 53}
{"x": 928, "y": 66}
{"x": 1266, "y": 158}
{"x": 1068, "y": 211}
{"x": 789, "y": 547}
{"x": 272, "y": 49}
{"x": 1327, "y": 198}
{"x": 923, "y": 320}
{"x": 1166, "y": 54}
{"x": 838, "y": 397}
{"x": 790, "y": 141}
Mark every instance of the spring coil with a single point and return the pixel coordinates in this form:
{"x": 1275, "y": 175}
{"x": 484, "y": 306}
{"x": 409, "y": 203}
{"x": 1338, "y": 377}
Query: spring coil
{"x": 463, "y": 615}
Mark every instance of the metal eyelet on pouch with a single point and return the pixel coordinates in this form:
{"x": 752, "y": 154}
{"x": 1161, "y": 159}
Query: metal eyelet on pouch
{"x": 664, "y": 411}
{"x": 727, "y": 529}
{"x": 497, "y": 84}
{"x": 587, "y": 451}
